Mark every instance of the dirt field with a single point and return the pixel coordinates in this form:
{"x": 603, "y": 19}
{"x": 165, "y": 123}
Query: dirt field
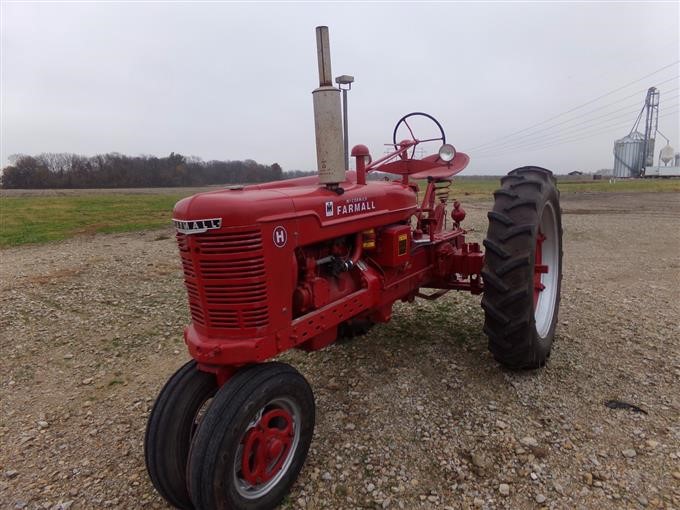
{"x": 415, "y": 415}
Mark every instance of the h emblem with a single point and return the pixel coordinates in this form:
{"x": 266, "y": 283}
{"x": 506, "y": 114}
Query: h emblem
{"x": 280, "y": 236}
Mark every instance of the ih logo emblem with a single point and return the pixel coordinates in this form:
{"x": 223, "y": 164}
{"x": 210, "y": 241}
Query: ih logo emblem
{"x": 280, "y": 236}
{"x": 329, "y": 209}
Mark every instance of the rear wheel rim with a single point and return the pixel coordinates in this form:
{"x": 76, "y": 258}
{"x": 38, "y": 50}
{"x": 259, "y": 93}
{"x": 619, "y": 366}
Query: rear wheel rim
{"x": 267, "y": 448}
{"x": 546, "y": 271}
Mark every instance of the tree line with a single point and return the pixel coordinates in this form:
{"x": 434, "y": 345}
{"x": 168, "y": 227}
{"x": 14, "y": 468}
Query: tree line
{"x": 64, "y": 170}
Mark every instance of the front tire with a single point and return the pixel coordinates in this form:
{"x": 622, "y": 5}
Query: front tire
{"x": 253, "y": 441}
{"x": 171, "y": 426}
{"x": 523, "y": 268}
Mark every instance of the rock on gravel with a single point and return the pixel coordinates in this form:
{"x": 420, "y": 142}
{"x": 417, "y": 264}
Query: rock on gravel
{"x": 529, "y": 441}
{"x": 629, "y": 453}
{"x": 479, "y": 460}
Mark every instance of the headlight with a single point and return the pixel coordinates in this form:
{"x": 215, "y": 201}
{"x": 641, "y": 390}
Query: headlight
{"x": 447, "y": 152}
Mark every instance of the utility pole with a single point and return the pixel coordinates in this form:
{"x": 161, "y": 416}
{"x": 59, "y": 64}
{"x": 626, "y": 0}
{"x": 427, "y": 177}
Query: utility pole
{"x": 345, "y": 83}
{"x": 651, "y": 127}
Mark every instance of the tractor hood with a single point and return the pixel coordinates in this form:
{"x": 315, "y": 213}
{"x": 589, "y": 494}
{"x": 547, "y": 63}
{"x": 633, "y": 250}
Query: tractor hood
{"x": 235, "y": 207}
{"x": 263, "y": 204}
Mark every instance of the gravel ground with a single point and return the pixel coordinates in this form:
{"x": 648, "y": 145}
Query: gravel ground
{"x": 414, "y": 415}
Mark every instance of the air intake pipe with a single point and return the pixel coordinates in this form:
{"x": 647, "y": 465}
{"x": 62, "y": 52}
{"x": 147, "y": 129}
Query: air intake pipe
{"x": 327, "y": 117}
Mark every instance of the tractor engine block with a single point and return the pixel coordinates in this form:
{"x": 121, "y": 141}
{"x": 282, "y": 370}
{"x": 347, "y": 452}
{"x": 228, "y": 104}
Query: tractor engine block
{"x": 323, "y": 274}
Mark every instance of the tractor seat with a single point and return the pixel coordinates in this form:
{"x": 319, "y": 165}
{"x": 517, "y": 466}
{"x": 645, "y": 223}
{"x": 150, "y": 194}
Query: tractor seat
{"x": 428, "y": 167}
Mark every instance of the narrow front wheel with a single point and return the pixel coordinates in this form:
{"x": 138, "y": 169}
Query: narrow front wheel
{"x": 253, "y": 441}
{"x": 170, "y": 429}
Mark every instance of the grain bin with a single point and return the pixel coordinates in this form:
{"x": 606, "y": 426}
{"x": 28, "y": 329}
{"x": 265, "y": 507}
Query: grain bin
{"x": 666, "y": 155}
{"x": 629, "y": 155}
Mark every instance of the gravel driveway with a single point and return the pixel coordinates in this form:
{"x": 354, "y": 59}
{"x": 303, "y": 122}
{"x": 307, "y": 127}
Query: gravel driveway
{"x": 414, "y": 415}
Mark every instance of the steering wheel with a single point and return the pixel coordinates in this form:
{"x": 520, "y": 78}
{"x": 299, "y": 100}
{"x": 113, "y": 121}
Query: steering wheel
{"x": 404, "y": 121}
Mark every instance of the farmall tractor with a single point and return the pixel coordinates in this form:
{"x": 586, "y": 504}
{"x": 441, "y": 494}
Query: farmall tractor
{"x": 303, "y": 262}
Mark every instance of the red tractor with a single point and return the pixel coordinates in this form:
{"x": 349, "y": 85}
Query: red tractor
{"x": 300, "y": 263}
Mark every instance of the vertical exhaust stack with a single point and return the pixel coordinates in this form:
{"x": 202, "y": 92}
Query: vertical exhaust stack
{"x": 327, "y": 117}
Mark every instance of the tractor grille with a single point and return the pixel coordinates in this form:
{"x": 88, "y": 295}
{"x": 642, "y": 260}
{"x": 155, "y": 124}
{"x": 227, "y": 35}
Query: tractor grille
{"x": 226, "y": 279}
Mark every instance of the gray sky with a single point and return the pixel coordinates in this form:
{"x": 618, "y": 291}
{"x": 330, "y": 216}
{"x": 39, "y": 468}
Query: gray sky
{"x": 234, "y": 80}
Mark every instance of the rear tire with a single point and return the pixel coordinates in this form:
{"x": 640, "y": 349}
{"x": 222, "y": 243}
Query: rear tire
{"x": 253, "y": 441}
{"x": 521, "y": 301}
{"x": 171, "y": 426}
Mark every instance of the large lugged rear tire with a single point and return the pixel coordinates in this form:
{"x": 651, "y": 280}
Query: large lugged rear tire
{"x": 523, "y": 268}
{"x": 170, "y": 429}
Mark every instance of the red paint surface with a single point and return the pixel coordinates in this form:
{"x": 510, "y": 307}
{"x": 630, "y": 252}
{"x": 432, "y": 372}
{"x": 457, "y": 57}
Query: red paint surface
{"x": 539, "y": 267}
{"x": 266, "y": 446}
{"x": 253, "y": 295}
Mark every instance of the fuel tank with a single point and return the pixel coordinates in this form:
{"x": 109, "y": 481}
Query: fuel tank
{"x": 319, "y": 213}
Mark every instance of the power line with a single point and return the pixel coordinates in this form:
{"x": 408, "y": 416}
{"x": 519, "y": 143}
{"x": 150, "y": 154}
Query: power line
{"x": 541, "y": 132}
{"x": 577, "y": 127}
{"x": 623, "y": 53}
{"x": 579, "y": 106}
{"x": 598, "y": 132}
{"x": 513, "y": 140}
{"x": 583, "y": 136}
{"x": 584, "y": 104}
{"x": 569, "y": 131}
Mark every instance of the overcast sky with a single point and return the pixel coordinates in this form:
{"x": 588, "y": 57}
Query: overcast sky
{"x": 234, "y": 80}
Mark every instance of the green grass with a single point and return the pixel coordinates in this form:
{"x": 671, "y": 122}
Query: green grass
{"x": 41, "y": 219}
{"x": 483, "y": 188}
{"x": 620, "y": 186}
{"x": 479, "y": 188}
{"x": 36, "y": 219}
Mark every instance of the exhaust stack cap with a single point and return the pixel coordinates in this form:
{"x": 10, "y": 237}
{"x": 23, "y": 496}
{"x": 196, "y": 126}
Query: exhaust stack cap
{"x": 323, "y": 49}
{"x": 327, "y": 117}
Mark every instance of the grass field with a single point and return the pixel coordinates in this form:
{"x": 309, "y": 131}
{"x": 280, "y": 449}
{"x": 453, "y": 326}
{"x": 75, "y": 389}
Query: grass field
{"x": 484, "y": 187}
{"x": 31, "y": 217}
{"x": 36, "y": 219}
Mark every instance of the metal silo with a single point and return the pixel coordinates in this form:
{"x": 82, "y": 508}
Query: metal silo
{"x": 629, "y": 155}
